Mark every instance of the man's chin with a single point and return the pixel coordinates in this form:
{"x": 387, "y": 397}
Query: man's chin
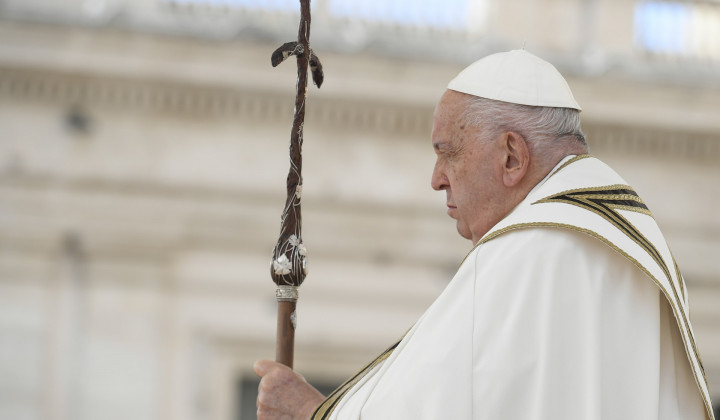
{"x": 464, "y": 231}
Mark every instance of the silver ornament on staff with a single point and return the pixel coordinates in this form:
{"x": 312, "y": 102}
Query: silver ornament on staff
{"x": 289, "y": 263}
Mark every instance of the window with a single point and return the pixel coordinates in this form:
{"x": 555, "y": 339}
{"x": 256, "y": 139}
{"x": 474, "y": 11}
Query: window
{"x": 683, "y": 29}
{"x": 428, "y": 13}
{"x": 266, "y": 5}
{"x": 450, "y": 15}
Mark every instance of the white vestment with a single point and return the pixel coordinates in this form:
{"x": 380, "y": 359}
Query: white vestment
{"x": 554, "y": 315}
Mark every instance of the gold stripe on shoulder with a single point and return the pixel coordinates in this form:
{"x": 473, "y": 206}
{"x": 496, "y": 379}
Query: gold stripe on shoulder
{"x": 617, "y": 196}
{"x": 680, "y": 279}
{"x": 605, "y": 201}
{"x": 571, "y": 161}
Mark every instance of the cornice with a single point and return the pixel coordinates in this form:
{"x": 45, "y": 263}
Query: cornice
{"x": 77, "y": 89}
{"x": 396, "y": 119}
{"x": 652, "y": 142}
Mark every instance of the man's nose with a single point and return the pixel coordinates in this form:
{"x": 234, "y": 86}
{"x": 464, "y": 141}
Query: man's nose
{"x": 438, "y": 180}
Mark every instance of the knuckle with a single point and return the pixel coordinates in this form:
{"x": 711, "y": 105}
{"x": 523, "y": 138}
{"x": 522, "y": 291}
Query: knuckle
{"x": 262, "y": 400}
{"x": 261, "y": 411}
{"x": 262, "y": 386}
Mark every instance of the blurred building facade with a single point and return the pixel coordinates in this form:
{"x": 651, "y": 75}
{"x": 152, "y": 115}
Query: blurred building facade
{"x": 143, "y": 153}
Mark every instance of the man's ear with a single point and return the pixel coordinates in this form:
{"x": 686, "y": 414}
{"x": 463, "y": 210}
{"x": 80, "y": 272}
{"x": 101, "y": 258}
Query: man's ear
{"x": 516, "y": 158}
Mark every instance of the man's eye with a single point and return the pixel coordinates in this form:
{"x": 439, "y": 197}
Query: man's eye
{"x": 451, "y": 153}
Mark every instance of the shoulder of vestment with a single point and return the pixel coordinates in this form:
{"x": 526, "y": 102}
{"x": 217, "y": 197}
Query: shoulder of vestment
{"x": 585, "y": 195}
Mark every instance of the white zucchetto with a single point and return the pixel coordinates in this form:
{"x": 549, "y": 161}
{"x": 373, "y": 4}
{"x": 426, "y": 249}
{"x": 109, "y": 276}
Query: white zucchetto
{"x": 516, "y": 77}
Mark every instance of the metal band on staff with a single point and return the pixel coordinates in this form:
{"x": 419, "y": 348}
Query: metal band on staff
{"x": 289, "y": 264}
{"x": 286, "y": 294}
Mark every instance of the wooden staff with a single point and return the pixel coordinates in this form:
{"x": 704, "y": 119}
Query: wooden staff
{"x": 289, "y": 264}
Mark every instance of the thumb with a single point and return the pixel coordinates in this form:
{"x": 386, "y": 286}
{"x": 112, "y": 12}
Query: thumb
{"x": 264, "y": 366}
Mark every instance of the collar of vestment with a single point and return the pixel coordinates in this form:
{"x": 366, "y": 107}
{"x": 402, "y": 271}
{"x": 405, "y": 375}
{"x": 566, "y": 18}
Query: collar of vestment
{"x": 585, "y": 195}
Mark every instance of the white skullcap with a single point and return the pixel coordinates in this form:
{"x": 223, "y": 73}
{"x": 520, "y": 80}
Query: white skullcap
{"x": 517, "y": 77}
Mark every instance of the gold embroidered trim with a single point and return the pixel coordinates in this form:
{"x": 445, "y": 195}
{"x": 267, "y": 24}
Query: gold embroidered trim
{"x": 617, "y": 196}
{"x": 328, "y": 406}
{"x": 602, "y": 201}
{"x": 680, "y": 279}
{"x": 571, "y": 161}
{"x": 685, "y": 332}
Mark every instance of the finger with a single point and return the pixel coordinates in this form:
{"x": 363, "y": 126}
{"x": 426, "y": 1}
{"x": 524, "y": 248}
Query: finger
{"x": 262, "y": 367}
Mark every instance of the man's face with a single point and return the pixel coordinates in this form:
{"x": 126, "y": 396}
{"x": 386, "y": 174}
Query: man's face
{"x": 468, "y": 169}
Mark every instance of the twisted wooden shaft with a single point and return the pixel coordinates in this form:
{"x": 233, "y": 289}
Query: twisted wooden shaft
{"x": 289, "y": 264}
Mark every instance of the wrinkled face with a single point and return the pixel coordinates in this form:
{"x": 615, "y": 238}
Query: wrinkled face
{"x": 468, "y": 169}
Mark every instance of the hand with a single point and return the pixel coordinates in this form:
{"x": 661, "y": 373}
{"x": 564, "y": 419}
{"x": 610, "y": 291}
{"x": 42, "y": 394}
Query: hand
{"x": 284, "y": 394}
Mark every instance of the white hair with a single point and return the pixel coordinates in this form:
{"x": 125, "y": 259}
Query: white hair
{"x": 546, "y": 130}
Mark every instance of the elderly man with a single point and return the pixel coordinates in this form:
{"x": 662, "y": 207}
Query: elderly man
{"x": 569, "y": 306}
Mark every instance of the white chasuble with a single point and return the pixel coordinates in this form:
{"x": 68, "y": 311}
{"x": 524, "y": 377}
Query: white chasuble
{"x": 570, "y": 308}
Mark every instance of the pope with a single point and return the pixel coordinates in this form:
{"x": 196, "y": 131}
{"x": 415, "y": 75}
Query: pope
{"x": 570, "y": 304}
